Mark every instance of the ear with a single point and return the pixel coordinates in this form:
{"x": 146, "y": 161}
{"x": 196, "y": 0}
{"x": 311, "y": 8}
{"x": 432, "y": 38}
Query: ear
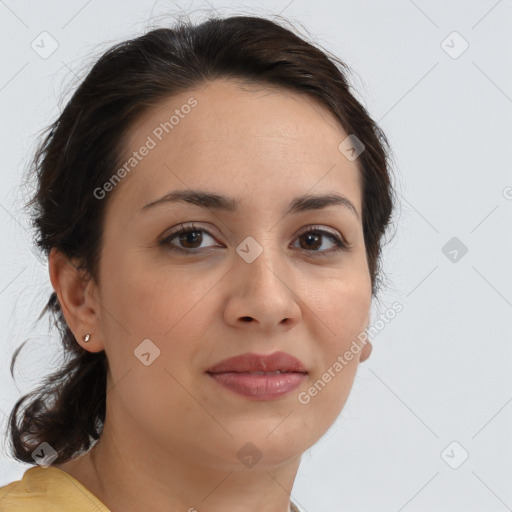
{"x": 367, "y": 346}
{"x": 367, "y": 350}
{"x": 76, "y": 298}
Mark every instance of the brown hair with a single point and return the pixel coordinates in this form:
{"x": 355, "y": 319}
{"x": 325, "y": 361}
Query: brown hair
{"x": 85, "y": 145}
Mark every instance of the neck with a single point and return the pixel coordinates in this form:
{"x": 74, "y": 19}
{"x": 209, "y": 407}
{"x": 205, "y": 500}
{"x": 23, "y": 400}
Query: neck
{"x": 133, "y": 476}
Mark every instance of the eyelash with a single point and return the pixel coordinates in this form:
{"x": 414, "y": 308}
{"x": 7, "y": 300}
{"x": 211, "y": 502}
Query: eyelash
{"x": 341, "y": 245}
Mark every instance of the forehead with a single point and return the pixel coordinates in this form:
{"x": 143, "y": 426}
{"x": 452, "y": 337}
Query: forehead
{"x": 241, "y": 138}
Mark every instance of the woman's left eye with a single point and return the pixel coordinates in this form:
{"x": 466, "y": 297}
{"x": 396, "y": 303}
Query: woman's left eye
{"x": 190, "y": 237}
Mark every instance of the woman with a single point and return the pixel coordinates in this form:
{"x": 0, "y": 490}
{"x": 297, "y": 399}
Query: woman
{"x": 212, "y": 202}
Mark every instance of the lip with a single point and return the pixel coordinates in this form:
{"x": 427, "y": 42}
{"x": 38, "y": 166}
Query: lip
{"x": 235, "y": 374}
{"x": 252, "y": 362}
{"x": 260, "y": 387}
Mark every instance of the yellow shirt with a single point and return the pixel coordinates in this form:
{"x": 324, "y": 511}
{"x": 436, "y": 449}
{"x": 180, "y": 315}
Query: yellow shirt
{"x": 48, "y": 490}
{"x": 52, "y": 490}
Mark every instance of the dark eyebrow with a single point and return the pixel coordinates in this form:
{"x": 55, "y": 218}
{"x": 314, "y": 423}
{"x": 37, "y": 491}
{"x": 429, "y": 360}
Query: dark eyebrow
{"x": 212, "y": 201}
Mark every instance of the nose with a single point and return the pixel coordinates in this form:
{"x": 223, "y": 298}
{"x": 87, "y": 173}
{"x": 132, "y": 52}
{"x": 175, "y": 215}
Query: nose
{"x": 262, "y": 294}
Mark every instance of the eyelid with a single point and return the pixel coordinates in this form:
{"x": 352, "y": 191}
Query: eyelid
{"x": 311, "y": 227}
{"x": 192, "y": 225}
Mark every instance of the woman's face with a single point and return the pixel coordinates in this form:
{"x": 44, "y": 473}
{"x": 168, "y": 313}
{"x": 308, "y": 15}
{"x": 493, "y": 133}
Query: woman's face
{"x": 250, "y": 280}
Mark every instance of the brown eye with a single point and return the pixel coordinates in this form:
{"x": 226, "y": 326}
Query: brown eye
{"x": 190, "y": 238}
{"x": 312, "y": 241}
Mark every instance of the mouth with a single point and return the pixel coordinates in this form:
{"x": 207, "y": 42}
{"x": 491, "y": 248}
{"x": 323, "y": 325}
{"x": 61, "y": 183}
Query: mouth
{"x": 259, "y": 376}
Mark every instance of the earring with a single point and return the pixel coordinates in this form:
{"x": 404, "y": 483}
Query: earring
{"x": 87, "y": 337}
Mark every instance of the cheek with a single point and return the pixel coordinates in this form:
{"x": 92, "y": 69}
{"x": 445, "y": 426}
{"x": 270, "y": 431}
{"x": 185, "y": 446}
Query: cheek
{"x": 161, "y": 304}
{"x": 150, "y": 297}
{"x": 158, "y": 305}
{"x": 352, "y": 313}
{"x": 342, "y": 316}
{"x": 342, "y": 311}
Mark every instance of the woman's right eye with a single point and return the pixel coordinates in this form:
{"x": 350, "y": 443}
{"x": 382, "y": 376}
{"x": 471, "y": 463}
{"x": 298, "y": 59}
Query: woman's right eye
{"x": 189, "y": 234}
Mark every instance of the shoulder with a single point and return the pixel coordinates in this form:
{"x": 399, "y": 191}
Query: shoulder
{"x": 48, "y": 490}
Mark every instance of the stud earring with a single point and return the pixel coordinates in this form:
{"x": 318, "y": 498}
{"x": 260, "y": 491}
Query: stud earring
{"x": 87, "y": 337}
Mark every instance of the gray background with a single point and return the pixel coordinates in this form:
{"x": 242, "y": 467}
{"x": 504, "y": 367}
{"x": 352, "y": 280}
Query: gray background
{"x": 440, "y": 370}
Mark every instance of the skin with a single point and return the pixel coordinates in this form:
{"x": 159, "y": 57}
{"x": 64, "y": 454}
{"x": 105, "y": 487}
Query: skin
{"x": 172, "y": 434}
